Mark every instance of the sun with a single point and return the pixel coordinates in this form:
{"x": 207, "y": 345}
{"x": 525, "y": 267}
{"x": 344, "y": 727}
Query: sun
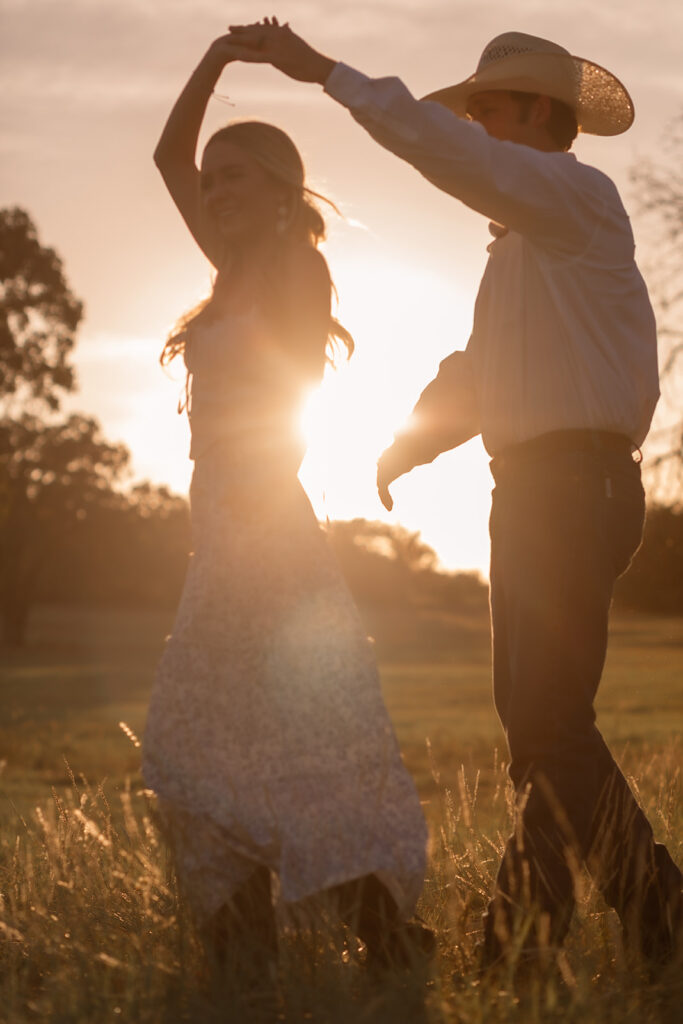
{"x": 397, "y": 314}
{"x": 351, "y": 418}
{"x": 345, "y": 430}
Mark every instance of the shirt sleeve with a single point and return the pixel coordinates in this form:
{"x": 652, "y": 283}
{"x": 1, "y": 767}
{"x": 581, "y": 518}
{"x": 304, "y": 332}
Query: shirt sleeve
{"x": 548, "y": 195}
{"x": 445, "y": 416}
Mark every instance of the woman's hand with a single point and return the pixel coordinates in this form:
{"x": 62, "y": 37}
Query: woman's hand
{"x": 268, "y": 42}
{"x": 221, "y": 52}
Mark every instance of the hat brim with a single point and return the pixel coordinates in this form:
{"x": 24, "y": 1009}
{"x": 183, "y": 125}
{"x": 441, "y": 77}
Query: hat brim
{"x": 600, "y": 102}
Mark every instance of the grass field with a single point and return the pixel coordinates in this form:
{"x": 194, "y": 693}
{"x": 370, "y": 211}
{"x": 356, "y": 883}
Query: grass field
{"x": 91, "y": 928}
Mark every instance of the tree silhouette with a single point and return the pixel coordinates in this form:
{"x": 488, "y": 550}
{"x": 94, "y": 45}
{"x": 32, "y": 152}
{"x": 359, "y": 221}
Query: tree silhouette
{"x": 659, "y": 203}
{"x": 52, "y": 478}
{"x": 409, "y": 605}
{"x": 52, "y": 472}
{"x": 39, "y": 316}
{"x": 654, "y": 583}
{"x": 130, "y": 551}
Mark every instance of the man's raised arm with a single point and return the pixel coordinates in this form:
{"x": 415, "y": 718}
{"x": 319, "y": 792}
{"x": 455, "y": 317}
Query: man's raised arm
{"x": 514, "y": 185}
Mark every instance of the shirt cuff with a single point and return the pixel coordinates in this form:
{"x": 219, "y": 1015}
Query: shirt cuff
{"x": 345, "y": 84}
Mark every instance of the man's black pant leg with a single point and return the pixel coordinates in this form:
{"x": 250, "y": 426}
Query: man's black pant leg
{"x": 563, "y": 527}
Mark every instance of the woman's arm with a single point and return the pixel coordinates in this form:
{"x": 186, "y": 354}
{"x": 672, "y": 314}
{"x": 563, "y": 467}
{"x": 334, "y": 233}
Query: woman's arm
{"x": 176, "y": 150}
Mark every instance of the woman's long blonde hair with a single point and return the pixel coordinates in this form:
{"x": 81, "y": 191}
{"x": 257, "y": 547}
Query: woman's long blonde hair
{"x": 275, "y": 152}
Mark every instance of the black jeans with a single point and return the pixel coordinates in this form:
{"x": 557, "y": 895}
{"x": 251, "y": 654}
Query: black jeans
{"x": 565, "y": 524}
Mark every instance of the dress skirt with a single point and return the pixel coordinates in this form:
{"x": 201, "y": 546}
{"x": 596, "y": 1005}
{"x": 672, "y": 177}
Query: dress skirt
{"x": 267, "y": 740}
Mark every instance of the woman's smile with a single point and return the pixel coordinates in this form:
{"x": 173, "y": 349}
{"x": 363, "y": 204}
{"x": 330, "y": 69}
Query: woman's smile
{"x": 237, "y": 194}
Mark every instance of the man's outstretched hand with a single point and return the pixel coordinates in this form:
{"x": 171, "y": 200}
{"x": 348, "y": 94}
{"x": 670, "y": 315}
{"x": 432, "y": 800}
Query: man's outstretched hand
{"x": 389, "y": 468}
{"x": 268, "y": 42}
{"x": 383, "y": 489}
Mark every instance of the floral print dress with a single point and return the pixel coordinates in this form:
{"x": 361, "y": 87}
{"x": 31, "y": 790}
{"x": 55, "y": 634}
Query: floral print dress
{"x": 267, "y": 739}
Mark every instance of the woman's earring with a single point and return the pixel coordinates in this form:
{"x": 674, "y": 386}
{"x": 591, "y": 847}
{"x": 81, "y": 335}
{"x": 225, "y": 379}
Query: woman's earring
{"x": 282, "y": 222}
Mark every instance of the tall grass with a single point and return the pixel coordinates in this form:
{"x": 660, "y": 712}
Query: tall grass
{"x": 92, "y": 927}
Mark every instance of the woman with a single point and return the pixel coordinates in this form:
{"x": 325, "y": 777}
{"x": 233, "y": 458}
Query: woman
{"x": 267, "y": 741}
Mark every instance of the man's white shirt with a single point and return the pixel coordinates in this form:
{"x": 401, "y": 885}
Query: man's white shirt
{"x": 563, "y": 335}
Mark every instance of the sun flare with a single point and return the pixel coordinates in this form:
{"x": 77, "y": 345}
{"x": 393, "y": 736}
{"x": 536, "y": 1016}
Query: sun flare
{"x": 404, "y": 322}
{"x": 397, "y": 315}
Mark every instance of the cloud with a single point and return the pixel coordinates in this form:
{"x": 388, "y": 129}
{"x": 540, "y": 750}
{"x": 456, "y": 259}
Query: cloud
{"x": 89, "y": 54}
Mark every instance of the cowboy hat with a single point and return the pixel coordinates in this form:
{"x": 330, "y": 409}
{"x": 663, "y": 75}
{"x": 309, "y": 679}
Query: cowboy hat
{"x": 525, "y": 63}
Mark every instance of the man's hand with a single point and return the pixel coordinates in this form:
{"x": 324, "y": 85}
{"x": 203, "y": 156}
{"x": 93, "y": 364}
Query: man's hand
{"x": 383, "y": 488}
{"x": 388, "y": 470}
{"x": 268, "y": 42}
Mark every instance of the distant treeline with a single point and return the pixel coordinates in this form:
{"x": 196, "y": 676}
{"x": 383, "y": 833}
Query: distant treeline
{"x": 654, "y": 581}
{"x": 136, "y": 553}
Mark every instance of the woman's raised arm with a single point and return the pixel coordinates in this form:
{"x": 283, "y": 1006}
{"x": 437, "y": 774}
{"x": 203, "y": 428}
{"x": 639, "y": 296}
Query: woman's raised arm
{"x": 176, "y": 150}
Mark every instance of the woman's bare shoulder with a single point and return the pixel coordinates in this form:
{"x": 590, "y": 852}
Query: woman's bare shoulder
{"x": 307, "y": 269}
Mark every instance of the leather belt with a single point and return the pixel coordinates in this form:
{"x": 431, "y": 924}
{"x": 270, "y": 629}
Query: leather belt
{"x": 558, "y": 441}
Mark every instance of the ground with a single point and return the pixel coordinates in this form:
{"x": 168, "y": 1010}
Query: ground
{"x": 92, "y": 926}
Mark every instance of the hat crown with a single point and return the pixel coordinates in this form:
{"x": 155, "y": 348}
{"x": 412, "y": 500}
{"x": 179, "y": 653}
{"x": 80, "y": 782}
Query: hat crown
{"x": 511, "y": 44}
{"x": 516, "y": 61}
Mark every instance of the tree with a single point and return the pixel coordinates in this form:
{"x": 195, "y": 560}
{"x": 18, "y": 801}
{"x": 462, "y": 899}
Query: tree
{"x": 52, "y": 477}
{"x": 39, "y": 316}
{"x": 132, "y": 552}
{"x": 381, "y": 563}
{"x": 654, "y": 582}
{"x": 659, "y": 203}
{"x": 53, "y": 472}
{"x": 410, "y": 607}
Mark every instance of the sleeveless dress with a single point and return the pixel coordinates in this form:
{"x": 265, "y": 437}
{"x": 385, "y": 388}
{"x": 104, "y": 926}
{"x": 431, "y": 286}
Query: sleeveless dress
{"x": 267, "y": 740}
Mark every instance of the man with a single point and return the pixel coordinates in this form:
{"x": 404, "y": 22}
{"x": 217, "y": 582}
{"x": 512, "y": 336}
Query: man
{"x": 560, "y": 378}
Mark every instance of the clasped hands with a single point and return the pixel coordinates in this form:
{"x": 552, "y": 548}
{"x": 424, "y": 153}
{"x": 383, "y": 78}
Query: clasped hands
{"x": 268, "y": 42}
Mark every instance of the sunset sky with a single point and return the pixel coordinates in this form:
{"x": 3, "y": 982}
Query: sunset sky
{"x": 86, "y": 88}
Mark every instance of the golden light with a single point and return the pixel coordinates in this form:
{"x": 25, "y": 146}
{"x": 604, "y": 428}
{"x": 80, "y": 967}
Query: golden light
{"x": 345, "y": 433}
{"x": 404, "y": 321}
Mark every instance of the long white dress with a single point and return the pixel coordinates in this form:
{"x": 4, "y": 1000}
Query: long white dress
{"x": 267, "y": 739}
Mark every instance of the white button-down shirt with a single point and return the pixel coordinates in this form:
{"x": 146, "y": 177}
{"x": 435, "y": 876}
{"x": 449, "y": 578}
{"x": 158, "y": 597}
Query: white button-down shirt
{"x": 564, "y": 334}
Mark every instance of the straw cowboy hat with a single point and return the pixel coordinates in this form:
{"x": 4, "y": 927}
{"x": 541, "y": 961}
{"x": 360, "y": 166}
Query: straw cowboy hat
{"x": 526, "y": 63}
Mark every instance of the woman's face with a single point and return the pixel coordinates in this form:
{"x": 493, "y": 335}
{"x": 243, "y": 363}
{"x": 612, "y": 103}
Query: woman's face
{"x": 238, "y": 196}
